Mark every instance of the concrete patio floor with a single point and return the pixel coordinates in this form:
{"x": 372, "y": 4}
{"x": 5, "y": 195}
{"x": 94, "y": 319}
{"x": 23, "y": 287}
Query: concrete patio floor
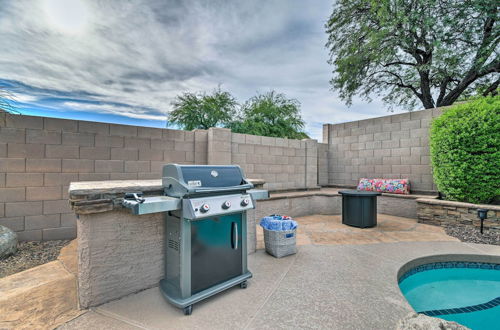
{"x": 326, "y": 285}
{"x": 329, "y": 230}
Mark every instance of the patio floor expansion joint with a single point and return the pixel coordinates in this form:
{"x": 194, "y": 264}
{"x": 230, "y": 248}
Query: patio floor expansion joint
{"x": 118, "y": 318}
{"x": 272, "y": 292}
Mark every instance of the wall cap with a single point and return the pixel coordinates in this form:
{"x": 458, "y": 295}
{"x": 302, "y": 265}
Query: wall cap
{"x": 441, "y": 202}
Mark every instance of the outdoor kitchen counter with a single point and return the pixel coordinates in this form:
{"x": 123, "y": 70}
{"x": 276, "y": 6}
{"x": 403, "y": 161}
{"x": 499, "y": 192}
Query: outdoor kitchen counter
{"x": 120, "y": 253}
{"x": 88, "y": 197}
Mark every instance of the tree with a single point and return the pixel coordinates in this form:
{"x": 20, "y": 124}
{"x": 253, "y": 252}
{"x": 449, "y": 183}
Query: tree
{"x": 201, "y": 110}
{"x": 407, "y": 51}
{"x": 270, "y": 114}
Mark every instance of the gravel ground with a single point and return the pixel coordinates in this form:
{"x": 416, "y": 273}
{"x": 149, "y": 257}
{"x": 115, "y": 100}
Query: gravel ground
{"x": 31, "y": 254}
{"x": 472, "y": 235}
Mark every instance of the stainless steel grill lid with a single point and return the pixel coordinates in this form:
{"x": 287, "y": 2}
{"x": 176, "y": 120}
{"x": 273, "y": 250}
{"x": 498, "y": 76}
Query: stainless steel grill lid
{"x": 189, "y": 180}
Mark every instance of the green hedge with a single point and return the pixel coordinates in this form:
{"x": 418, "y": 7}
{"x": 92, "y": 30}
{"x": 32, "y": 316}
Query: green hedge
{"x": 465, "y": 151}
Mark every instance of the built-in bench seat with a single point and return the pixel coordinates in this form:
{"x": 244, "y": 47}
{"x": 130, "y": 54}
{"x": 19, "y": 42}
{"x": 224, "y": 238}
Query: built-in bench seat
{"x": 328, "y": 201}
{"x": 334, "y": 192}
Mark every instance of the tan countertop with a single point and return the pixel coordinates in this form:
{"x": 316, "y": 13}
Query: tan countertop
{"x": 87, "y": 188}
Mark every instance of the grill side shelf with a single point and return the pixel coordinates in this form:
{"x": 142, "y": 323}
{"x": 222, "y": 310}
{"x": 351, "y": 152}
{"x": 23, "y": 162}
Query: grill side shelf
{"x": 258, "y": 194}
{"x": 152, "y": 204}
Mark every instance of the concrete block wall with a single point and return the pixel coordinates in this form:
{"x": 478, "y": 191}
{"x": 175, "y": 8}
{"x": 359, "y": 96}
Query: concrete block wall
{"x": 395, "y": 146}
{"x": 219, "y": 146}
{"x": 322, "y": 164}
{"x": 40, "y": 156}
{"x": 283, "y": 163}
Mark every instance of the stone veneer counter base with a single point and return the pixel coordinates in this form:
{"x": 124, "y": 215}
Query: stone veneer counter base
{"x": 443, "y": 213}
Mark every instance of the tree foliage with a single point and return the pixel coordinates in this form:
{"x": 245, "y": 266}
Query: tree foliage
{"x": 426, "y": 51}
{"x": 465, "y": 151}
{"x": 270, "y": 114}
{"x": 201, "y": 110}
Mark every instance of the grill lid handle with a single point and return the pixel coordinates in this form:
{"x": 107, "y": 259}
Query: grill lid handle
{"x": 174, "y": 187}
{"x": 221, "y": 189}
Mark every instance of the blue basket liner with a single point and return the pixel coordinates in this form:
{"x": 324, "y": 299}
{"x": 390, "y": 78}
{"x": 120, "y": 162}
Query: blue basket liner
{"x": 278, "y": 223}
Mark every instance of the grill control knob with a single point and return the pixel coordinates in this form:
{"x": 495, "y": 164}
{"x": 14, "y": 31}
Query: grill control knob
{"x": 226, "y": 205}
{"x": 204, "y": 208}
{"x": 245, "y": 202}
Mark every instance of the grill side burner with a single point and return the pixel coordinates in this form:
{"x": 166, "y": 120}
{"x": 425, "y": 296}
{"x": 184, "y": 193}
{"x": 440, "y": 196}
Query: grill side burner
{"x": 205, "y": 229}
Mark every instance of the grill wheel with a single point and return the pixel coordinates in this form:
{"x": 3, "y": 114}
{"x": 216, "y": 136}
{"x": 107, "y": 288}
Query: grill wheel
{"x": 188, "y": 310}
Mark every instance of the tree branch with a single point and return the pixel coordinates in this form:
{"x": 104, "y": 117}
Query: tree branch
{"x": 494, "y": 66}
{"x": 492, "y": 89}
{"x": 475, "y": 72}
{"x": 399, "y": 63}
{"x": 442, "y": 90}
{"x": 401, "y": 83}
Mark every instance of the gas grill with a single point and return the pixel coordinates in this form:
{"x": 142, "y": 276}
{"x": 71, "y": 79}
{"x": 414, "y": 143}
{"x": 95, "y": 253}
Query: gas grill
{"x": 205, "y": 229}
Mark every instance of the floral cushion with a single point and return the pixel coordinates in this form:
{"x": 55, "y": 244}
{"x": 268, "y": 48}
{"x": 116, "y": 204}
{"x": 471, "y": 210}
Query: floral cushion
{"x": 392, "y": 186}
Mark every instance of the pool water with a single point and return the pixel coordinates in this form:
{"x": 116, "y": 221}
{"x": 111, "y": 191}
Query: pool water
{"x": 464, "y": 292}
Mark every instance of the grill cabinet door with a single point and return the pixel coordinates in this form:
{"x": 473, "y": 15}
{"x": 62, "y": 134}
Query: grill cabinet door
{"x": 215, "y": 251}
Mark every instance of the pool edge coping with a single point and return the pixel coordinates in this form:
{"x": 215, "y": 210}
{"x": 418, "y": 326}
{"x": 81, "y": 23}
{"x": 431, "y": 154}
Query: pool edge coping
{"x": 462, "y": 257}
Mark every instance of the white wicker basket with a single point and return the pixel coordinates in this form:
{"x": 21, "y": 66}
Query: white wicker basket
{"x": 280, "y": 243}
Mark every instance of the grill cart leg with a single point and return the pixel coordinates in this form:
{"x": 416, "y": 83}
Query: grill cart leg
{"x": 188, "y": 310}
{"x": 243, "y": 285}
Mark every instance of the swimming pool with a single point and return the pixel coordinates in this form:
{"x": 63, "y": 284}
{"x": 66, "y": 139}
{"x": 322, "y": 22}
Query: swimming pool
{"x": 464, "y": 292}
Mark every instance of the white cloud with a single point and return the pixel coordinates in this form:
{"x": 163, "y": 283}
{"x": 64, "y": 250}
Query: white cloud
{"x": 24, "y": 98}
{"x": 142, "y": 54}
{"x": 114, "y": 110}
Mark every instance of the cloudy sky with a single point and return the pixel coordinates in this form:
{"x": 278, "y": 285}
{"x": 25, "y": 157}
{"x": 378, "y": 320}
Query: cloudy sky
{"x": 124, "y": 61}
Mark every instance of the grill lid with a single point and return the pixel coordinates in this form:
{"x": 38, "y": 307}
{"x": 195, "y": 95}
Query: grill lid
{"x": 184, "y": 180}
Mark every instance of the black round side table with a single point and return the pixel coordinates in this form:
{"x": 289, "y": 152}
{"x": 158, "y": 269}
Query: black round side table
{"x": 359, "y": 208}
